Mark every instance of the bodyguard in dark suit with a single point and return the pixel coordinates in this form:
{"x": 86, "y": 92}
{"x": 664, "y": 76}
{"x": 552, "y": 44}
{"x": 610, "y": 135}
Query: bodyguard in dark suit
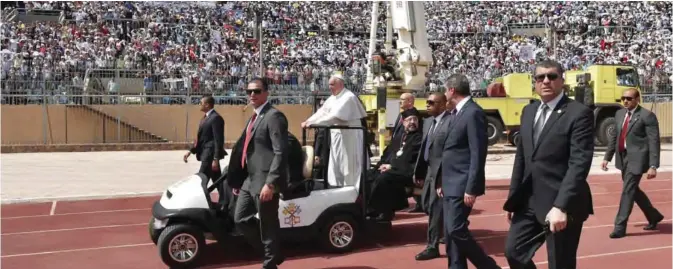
{"x": 209, "y": 145}
{"x": 463, "y": 177}
{"x": 259, "y": 168}
{"x": 549, "y": 177}
{"x": 636, "y": 144}
{"x": 428, "y": 169}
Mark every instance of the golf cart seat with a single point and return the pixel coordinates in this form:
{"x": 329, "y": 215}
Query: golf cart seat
{"x": 301, "y": 184}
{"x": 414, "y": 191}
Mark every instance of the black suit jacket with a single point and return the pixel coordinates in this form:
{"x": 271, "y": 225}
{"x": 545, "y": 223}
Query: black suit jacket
{"x": 464, "y": 154}
{"x": 321, "y": 145}
{"x": 210, "y": 139}
{"x": 554, "y": 172}
{"x": 431, "y": 171}
{"x": 403, "y": 165}
{"x": 267, "y": 155}
{"x": 642, "y": 141}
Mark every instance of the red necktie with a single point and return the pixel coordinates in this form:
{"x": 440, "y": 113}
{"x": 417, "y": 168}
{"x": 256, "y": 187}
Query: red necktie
{"x": 202, "y": 120}
{"x": 196, "y": 141}
{"x": 622, "y": 135}
{"x": 247, "y": 139}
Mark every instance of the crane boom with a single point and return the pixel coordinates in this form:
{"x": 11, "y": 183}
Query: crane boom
{"x": 414, "y": 55}
{"x": 402, "y": 68}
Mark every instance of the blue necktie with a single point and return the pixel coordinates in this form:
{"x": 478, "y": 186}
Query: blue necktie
{"x": 427, "y": 140}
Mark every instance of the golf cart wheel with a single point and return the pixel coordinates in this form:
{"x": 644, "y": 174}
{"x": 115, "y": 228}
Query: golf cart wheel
{"x": 154, "y": 234}
{"x": 181, "y": 245}
{"x": 340, "y": 234}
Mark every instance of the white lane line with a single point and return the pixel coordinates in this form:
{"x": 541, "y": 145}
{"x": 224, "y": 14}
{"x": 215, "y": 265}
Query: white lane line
{"x": 53, "y": 208}
{"x": 81, "y": 213}
{"x": 79, "y": 198}
{"x": 591, "y": 183}
{"x": 140, "y": 209}
{"x": 609, "y": 254}
{"x": 381, "y": 246}
{"x": 502, "y": 214}
{"x": 593, "y": 194}
{"x": 75, "y": 250}
{"x": 486, "y": 237}
{"x": 583, "y": 228}
{"x": 620, "y": 182}
{"x": 77, "y": 229}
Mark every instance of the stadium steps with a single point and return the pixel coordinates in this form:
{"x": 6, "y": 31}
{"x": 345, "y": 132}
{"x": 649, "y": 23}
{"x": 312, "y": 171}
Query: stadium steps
{"x": 10, "y": 15}
{"x": 134, "y": 131}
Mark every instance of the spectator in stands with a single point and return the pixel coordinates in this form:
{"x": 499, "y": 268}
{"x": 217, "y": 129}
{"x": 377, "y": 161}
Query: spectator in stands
{"x": 198, "y": 40}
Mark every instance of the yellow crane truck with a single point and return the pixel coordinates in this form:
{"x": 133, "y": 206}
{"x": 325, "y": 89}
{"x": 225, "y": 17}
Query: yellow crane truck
{"x": 503, "y": 111}
{"x": 599, "y": 87}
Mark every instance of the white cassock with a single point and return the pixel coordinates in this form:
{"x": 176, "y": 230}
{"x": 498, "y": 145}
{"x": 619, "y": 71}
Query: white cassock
{"x": 345, "y": 158}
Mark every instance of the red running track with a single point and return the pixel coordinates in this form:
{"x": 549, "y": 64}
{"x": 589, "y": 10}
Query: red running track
{"x": 113, "y": 234}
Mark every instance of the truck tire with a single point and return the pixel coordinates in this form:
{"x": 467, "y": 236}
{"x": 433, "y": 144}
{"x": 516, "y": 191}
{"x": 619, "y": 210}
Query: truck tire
{"x": 494, "y": 130}
{"x": 514, "y": 137}
{"x": 605, "y": 129}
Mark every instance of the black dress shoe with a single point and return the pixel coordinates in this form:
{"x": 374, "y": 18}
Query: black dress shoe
{"x": 280, "y": 260}
{"x": 617, "y": 234}
{"x": 653, "y": 226}
{"x": 416, "y": 209}
{"x": 385, "y": 217}
{"x": 427, "y": 254}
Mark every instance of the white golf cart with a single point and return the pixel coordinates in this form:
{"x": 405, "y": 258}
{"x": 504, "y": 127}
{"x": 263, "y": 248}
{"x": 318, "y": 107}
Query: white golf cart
{"x": 310, "y": 211}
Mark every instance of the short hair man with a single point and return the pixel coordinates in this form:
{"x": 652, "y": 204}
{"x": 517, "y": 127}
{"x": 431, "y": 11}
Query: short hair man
{"x": 258, "y": 173}
{"x": 463, "y": 177}
{"x": 636, "y": 144}
{"x": 549, "y": 176}
{"x": 209, "y": 144}
{"x": 428, "y": 170}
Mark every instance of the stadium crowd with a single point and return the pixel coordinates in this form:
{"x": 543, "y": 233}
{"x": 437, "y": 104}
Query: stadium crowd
{"x": 213, "y": 44}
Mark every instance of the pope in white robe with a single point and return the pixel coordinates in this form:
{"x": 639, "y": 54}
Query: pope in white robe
{"x": 346, "y": 148}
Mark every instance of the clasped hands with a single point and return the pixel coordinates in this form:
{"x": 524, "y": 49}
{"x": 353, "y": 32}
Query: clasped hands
{"x": 558, "y": 220}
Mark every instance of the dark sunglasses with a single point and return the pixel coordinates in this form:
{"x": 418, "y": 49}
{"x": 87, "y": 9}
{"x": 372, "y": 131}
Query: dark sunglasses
{"x": 550, "y": 76}
{"x": 430, "y": 102}
{"x": 627, "y": 98}
{"x": 256, "y": 91}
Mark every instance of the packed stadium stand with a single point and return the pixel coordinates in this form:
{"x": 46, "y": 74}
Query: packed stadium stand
{"x": 164, "y": 48}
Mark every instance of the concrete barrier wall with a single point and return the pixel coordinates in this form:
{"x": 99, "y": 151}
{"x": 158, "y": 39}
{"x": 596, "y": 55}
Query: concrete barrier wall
{"x": 60, "y": 124}
{"x": 36, "y": 124}
{"x": 664, "y": 113}
{"x": 179, "y": 123}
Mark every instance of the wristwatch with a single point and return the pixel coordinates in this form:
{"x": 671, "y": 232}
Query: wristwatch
{"x": 653, "y": 167}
